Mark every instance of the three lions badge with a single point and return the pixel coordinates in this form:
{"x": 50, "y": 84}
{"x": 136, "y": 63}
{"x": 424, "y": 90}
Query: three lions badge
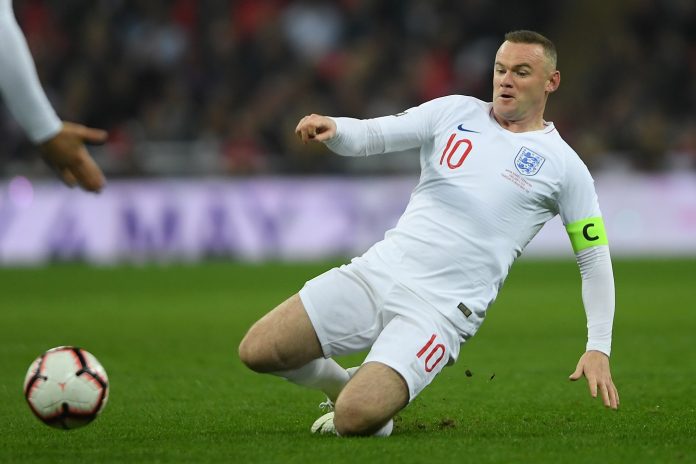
{"x": 527, "y": 162}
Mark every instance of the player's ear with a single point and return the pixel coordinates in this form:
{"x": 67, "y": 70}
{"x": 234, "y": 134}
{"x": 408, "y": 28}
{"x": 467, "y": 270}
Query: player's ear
{"x": 553, "y": 82}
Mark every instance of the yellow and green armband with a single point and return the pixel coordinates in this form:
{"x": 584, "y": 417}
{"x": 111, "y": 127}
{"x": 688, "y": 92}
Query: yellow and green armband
{"x": 587, "y": 233}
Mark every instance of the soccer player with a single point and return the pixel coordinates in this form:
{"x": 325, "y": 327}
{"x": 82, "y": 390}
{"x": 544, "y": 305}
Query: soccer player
{"x": 62, "y": 144}
{"x": 492, "y": 174}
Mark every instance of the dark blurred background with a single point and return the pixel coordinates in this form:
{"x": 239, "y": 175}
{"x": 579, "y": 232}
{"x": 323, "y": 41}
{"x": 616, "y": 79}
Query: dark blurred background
{"x": 210, "y": 87}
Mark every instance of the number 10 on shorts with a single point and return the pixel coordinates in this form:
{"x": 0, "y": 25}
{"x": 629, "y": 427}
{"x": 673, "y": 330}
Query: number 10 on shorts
{"x": 435, "y": 354}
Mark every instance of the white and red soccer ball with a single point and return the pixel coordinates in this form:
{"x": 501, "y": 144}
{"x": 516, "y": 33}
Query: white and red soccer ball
{"x": 66, "y": 387}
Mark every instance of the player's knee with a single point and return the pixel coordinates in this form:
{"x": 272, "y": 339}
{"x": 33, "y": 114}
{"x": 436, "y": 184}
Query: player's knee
{"x": 260, "y": 354}
{"x": 356, "y": 418}
{"x": 253, "y": 352}
{"x": 248, "y": 353}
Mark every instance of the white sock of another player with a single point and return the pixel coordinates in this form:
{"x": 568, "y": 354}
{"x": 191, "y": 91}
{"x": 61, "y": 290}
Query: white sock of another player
{"x": 321, "y": 374}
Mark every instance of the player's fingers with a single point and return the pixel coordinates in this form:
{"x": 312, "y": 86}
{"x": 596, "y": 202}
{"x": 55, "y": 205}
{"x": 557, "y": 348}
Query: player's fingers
{"x": 300, "y": 125}
{"x": 616, "y": 392}
{"x": 308, "y": 132}
{"x": 604, "y": 391}
{"x": 87, "y": 172}
{"x": 303, "y": 129}
{"x": 67, "y": 177}
{"x": 87, "y": 134}
{"x": 592, "y": 385}
{"x": 62, "y": 172}
{"x": 577, "y": 374}
{"x": 93, "y": 136}
{"x": 323, "y": 136}
{"x": 614, "y": 395}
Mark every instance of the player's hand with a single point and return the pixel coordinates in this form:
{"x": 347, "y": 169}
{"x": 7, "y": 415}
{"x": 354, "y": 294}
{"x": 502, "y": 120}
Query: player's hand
{"x": 594, "y": 365}
{"x": 315, "y": 127}
{"x": 67, "y": 155}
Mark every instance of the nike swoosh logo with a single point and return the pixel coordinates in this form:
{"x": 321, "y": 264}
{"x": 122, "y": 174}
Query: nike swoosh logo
{"x": 461, "y": 128}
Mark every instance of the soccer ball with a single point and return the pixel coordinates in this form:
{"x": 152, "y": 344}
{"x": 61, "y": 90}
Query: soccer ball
{"x": 66, "y": 387}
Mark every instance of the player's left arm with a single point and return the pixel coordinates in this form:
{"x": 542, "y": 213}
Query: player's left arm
{"x": 579, "y": 209}
{"x": 596, "y": 270}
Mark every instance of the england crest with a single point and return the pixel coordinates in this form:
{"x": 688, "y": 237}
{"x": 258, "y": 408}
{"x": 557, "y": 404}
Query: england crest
{"x": 527, "y": 162}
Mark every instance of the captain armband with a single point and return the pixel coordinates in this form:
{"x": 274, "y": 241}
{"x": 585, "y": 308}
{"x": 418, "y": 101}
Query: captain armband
{"x": 587, "y": 233}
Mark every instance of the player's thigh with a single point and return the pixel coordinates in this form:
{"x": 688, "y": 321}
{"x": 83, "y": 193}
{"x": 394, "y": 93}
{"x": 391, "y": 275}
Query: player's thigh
{"x": 417, "y": 343}
{"x": 343, "y": 305}
{"x": 282, "y": 339}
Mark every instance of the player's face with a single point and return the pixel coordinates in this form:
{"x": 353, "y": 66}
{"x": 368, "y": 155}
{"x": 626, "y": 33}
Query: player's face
{"x": 522, "y": 78}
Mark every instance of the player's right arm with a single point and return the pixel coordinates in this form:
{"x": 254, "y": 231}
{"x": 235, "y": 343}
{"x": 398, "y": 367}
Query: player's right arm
{"x": 61, "y": 144}
{"x": 364, "y": 137}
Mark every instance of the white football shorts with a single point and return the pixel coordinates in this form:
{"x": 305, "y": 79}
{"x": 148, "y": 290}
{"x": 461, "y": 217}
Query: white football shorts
{"x": 359, "y": 306}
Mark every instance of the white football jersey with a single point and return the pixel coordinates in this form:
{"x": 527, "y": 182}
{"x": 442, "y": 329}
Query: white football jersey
{"x": 484, "y": 193}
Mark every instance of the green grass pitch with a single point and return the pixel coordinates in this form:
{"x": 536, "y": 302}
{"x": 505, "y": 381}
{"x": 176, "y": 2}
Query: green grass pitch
{"x": 168, "y": 338}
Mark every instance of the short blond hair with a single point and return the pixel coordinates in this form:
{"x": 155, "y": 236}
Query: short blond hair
{"x": 531, "y": 37}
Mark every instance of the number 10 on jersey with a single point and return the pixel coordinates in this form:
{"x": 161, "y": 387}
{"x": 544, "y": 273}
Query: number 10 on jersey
{"x": 453, "y": 152}
{"x": 435, "y": 354}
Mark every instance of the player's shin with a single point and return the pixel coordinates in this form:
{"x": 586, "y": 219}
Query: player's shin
{"x": 321, "y": 374}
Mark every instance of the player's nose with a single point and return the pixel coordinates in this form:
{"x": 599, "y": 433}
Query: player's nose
{"x": 506, "y": 80}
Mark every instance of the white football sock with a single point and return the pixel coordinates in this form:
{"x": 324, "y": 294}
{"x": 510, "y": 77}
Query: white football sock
{"x": 386, "y": 429}
{"x": 321, "y": 374}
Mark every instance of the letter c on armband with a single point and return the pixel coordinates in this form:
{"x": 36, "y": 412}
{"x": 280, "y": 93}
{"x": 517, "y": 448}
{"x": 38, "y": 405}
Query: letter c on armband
{"x": 587, "y": 233}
